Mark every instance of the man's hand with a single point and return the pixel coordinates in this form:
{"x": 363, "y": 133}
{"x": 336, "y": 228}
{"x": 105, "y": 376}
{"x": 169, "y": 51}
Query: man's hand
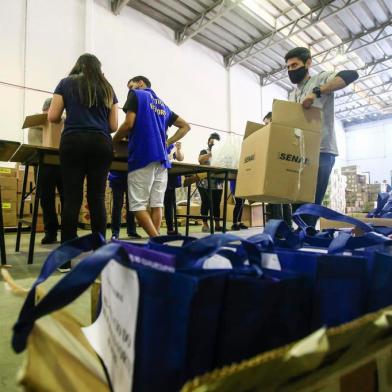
{"x": 309, "y": 100}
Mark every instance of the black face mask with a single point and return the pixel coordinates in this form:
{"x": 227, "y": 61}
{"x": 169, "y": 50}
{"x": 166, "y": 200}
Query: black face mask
{"x": 297, "y": 75}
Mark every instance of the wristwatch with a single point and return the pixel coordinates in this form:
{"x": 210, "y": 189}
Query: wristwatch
{"x": 316, "y": 91}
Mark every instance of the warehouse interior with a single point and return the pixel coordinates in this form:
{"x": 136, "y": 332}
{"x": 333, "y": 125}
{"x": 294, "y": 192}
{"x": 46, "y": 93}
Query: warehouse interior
{"x": 218, "y": 64}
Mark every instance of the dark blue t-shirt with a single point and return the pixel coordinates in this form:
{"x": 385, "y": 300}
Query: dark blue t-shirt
{"x": 80, "y": 117}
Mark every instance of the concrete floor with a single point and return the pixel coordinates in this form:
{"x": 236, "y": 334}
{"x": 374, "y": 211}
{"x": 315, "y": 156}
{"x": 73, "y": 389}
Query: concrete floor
{"x": 24, "y": 275}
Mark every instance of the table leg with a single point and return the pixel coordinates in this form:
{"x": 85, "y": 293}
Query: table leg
{"x": 21, "y": 209}
{"x": 175, "y": 212}
{"x": 2, "y": 241}
{"x": 212, "y": 229}
{"x": 188, "y": 210}
{"x": 225, "y": 203}
{"x": 30, "y": 258}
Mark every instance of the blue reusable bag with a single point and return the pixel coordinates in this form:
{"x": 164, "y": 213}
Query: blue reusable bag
{"x": 346, "y": 284}
{"x": 263, "y": 309}
{"x": 178, "y": 314}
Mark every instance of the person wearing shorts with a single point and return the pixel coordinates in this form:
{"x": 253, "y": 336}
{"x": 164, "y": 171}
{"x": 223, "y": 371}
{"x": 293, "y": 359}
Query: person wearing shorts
{"x": 146, "y": 123}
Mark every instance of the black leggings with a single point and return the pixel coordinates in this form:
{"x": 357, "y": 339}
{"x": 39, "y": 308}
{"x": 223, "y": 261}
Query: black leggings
{"x": 84, "y": 154}
{"x": 170, "y": 206}
{"x": 205, "y": 202}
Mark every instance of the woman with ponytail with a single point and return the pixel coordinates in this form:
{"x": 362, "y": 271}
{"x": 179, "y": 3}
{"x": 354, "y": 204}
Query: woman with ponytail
{"x": 86, "y": 150}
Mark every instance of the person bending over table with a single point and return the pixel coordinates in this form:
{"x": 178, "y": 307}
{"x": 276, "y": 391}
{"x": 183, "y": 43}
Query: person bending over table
{"x": 86, "y": 150}
{"x": 50, "y": 179}
{"x": 146, "y": 123}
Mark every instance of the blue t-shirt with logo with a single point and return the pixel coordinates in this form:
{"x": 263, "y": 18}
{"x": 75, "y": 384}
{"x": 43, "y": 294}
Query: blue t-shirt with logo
{"x": 80, "y": 117}
{"x": 147, "y": 139}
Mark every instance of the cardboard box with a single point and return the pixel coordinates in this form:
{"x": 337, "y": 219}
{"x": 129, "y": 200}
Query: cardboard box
{"x": 20, "y": 171}
{"x": 330, "y": 224}
{"x": 252, "y": 215}
{"x": 7, "y": 172}
{"x": 51, "y": 132}
{"x": 28, "y": 205}
{"x": 9, "y": 206}
{"x": 9, "y": 195}
{"x": 8, "y": 184}
{"x": 279, "y": 161}
{"x": 9, "y": 219}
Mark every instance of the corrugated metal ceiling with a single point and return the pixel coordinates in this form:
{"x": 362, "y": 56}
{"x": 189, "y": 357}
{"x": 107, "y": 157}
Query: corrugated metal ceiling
{"x": 342, "y": 34}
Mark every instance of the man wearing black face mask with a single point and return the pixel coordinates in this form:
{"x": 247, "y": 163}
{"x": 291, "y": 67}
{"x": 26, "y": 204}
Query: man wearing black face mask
{"x": 318, "y": 90}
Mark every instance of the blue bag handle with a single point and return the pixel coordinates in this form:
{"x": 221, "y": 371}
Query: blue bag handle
{"x": 66, "y": 290}
{"x": 323, "y": 212}
{"x": 193, "y": 254}
{"x": 279, "y": 226}
{"x": 56, "y": 258}
{"x": 204, "y": 248}
{"x": 159, "y": 243}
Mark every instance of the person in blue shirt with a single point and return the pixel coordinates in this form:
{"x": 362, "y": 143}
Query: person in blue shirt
{"x": 146, "y": 123}
{"x": 86, "y": 149}
{"x": 174, "y": 181}
{"x": 118, "y": 184}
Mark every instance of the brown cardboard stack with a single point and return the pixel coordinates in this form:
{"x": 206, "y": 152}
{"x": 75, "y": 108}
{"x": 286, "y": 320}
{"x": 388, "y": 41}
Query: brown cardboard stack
{"x": 360, "y": 196}
{"x": 28, "y": 207}
{"x": 29, "y": 201}
{"x": 279, "y": 161}
{"x": 8, "y": 184}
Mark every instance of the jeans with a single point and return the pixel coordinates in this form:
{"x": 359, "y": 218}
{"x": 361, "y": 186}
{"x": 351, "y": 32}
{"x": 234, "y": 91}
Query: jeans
{"x": 84, "y": 154}
{"x": 237, "y": 212}
{"x": 326, "y": 164}
{"x": 118, "y": 191}
{"x": 205, "y": 202}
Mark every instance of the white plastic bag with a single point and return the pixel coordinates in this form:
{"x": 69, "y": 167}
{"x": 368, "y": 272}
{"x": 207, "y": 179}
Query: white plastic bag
{"x": 227, "y": 153}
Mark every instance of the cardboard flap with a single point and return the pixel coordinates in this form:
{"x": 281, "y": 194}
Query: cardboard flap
{"x": 251, "y": 127}
{"x": 35, "y": 120}
{"x": 292, "y": 114}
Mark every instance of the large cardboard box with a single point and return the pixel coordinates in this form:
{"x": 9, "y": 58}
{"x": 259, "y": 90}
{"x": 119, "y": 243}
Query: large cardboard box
{"x": 9, "y": 206}
{"x": 7, "y": 172}
{"x": 51, "y": 132}
{"x": 279, "y": 161}
{"x": 9, "y": 219}
{"x": 8, "y": 184}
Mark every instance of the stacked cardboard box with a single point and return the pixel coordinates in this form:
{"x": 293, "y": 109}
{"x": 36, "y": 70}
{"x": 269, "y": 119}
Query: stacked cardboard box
{"x": 335, "y": 197}
{"x": 8, "y": 183}
{"x": 360, "y": 196}
{"x": 29, "y": 201}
